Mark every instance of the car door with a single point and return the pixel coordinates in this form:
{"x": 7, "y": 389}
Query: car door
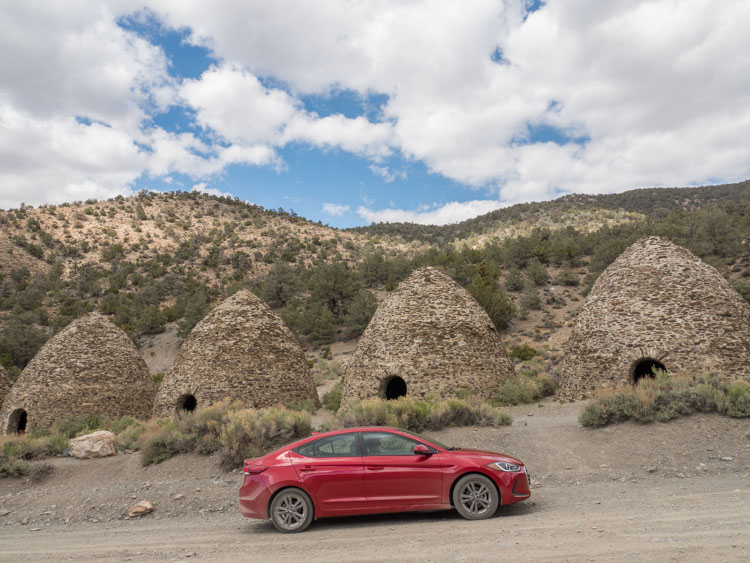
{"x": 331, "y": 470}
{"x": 395, "y": 477}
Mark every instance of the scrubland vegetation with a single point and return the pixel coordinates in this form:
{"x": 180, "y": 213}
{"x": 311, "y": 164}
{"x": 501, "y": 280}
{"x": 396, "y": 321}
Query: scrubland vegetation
{"x": 664, "y": 398}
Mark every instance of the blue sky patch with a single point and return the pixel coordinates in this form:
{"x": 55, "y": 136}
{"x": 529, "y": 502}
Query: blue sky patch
{"x": 187, "y": 61}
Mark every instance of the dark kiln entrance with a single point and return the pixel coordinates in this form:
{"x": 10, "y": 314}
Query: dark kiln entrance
{"x": 187, "y": 403}
{"x": 395, "y": 387}
{"x": 646, "y": 367}
{"x": 17, "y": 422}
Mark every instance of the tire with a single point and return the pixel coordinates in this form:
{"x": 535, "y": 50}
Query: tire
{"x": 475, "y": 497}
{"x": 291, "y": 511}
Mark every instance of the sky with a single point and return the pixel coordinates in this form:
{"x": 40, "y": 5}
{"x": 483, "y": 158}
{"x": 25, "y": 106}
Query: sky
{"x": 352, "y": 112}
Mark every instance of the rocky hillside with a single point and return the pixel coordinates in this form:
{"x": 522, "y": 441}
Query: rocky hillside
{"x": 212, "y": 238}
{"x": 160, "y": 261}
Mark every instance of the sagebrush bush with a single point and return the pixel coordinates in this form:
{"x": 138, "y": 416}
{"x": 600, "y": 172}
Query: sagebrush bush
{"x": 252, "y": 433}
{"x": 17, "y": 451}
{"x": 165, "y": 444}
{"x": 307, "y": 405}
{"x": 522, "y": 389}
{"x": 332, "y": 399}
{"x": 522, "y": 353}
{"x": 418, "y": 415}
{"x": 13, "y": 468}
{"x": 80, "y": 425}
{"x": 196, "y": 431}
{"x": 665, "y": 398}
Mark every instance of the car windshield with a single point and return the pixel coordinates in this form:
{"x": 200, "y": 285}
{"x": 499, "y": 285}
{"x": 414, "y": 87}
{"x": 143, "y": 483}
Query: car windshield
{"x": 431, "y": 440}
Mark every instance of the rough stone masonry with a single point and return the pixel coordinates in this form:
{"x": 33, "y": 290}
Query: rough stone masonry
{"x": 433, "y": 335}
{"x": 656, "y": 302}
{"x": 91, "y": 367}
{"x": 241, "y": 351}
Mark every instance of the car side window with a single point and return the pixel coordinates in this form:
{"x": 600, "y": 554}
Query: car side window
{"x": 385, "y": 443}
{"x": 341, "y": 445}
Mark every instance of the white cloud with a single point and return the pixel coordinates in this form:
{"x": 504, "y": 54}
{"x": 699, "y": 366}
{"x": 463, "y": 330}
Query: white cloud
{"x": 660, "y": 89}
{"x": 204, "y": 189}
{"x": 388, "y": 174}
{"x": 232, "y": 102}
{"x": 435, "y": 214}
{"x": 335, "y": 209}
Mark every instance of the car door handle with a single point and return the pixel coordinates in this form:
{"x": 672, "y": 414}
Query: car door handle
{"x": 307, "y": 468}
{"x": 375, "y": 467}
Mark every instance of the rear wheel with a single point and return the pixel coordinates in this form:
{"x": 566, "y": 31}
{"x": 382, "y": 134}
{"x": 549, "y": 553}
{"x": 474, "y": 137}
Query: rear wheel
{"x": 291, "y": 511}
{"x": 475, "y": 497}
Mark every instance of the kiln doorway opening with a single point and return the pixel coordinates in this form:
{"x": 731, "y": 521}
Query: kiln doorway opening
{"x": 17, "y": 422}
{"x": 187, "y": 403}
{"x": 395, "y": 387}
{"x": 646, "y": 367}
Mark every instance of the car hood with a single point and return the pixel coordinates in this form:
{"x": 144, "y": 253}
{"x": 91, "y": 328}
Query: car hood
{"x": 482, "y": 454}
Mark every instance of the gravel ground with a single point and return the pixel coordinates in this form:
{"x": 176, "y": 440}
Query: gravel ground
{"x": 628, "y": 492}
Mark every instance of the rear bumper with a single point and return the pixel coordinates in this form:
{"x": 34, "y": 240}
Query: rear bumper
{"x": 254, "y": 497}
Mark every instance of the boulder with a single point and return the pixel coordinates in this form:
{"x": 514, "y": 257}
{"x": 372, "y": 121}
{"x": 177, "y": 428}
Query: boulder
{"x": 98, "y": 444}
{"x": 141, "y": 509}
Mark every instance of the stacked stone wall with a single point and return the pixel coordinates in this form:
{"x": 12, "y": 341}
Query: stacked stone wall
{"x": 89, "y": 368}
{"x": 240, "y": 351}
{"x": 433, "y": 334}
{"x": 656, "y": 301}
{"x": 5, "y": 385}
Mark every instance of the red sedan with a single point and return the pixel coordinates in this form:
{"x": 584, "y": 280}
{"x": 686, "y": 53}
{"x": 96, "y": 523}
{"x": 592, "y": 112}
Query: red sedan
{"x": 376, "y": 470}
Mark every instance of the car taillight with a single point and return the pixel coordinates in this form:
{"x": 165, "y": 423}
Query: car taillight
{"x": 254, "y": 469}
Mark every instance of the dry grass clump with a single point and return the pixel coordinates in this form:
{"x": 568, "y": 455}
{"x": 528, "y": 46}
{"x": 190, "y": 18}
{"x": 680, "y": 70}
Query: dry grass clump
{"x": 418, "y": 415}
{"x": 225, "y": 427}
{"x": 525, "y": 388}
{"x": 16, "y": 451}
{"x": 665, "y": 398}
{"x": 252, "y": 433}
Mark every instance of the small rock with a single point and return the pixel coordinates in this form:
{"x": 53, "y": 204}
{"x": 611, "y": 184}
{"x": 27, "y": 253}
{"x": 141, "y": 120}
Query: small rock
{"x": 141, "y": 508}
{"x": 178, "y": 496}
{"x": 726, "y": 458}
{"x": 191, "y": 554}
{"x": 651, "y": 469}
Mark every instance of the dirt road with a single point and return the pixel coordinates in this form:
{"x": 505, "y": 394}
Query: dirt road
{"x": 677, "y": 491}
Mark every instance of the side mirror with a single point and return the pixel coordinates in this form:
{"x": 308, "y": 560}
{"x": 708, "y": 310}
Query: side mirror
{"x": 421, "y": 449}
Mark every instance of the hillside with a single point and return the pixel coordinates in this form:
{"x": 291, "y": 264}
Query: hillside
{"x": 159, "y": 262}
{"x": 580, "y": 211}
{"x": 212, "y": 238}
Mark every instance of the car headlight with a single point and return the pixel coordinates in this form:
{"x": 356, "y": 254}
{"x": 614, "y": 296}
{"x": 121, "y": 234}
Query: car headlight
{"x": 505, "y": 466}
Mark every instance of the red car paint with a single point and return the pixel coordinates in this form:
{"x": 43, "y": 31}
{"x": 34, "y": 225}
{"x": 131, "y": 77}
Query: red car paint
{"x": 369, "y": 484}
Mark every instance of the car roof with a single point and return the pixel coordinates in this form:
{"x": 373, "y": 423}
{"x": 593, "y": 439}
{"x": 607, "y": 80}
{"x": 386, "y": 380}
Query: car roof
{"x": 359, "y": 429}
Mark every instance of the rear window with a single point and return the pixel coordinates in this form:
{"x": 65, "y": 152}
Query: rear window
{"x": 340, "y": 445}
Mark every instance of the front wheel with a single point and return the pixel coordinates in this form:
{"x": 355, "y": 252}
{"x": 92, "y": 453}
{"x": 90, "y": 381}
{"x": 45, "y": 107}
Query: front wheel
{"x": 291, "y": 511}
{"x": 475, "y": 497}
